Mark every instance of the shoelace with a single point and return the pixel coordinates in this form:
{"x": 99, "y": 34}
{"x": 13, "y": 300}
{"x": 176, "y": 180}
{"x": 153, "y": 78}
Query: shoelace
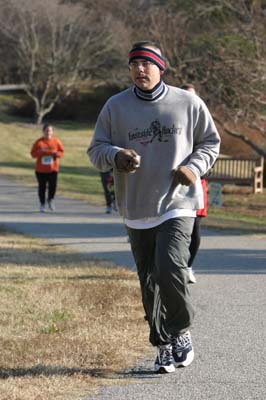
{"x": 182, "y": 341}
{"x": 165, "y": 354}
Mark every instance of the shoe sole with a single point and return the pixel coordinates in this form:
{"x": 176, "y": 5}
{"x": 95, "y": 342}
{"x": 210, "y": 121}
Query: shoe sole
{"x": 187, "y": 361}
{"x": 164, "y": 369}
{"x": 192, "y": 278}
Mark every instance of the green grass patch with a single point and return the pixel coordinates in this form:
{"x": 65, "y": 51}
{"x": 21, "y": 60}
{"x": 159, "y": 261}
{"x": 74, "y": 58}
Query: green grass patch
{"x": 234, "y": 215}
{"x": 77, "y": 177}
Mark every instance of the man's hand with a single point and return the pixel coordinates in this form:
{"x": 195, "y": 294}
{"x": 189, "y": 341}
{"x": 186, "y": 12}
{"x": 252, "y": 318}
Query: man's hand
{"x": 184, "y": 176}
{"x": 126, "y": 160}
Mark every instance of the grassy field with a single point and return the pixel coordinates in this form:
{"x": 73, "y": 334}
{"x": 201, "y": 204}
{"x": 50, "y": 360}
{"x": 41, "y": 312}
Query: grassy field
{"x": 67, "y": 324}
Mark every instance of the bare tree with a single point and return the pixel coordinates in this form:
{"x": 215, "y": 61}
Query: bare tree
{"x": 56, "y": 47}
{"x": 220, "y": 46}
{"x": 243, "y": 88}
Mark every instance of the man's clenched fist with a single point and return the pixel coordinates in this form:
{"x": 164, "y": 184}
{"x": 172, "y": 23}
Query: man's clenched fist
{"x": 184, "y": 176}
{"x": 126, "y": 160}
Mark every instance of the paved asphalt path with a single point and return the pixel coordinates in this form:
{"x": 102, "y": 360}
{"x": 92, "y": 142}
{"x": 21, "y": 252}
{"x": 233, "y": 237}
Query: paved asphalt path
{"x": 229, "y": 332}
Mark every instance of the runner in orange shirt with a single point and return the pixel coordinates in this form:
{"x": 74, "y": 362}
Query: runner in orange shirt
{"x": 47, "y": 150}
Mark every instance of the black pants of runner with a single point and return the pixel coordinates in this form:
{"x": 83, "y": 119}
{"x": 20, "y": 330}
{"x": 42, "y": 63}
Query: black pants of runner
{"x": 195, "y": 240}
{"x": 161, "y": 255}
{"x": 44, "y": 180}
{"x": 107, "y": 181}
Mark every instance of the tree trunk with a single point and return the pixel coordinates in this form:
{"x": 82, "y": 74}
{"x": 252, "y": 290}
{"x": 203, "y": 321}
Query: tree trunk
{"x": 40, "y": 115}
{"x": 39, "y": 118}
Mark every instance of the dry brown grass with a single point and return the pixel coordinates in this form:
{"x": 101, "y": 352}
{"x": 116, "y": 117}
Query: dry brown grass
{"x": 67, "y": 325}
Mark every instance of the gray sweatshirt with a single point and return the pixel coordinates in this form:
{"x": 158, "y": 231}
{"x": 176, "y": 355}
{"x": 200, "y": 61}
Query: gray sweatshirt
{"x": 175, "y": 130}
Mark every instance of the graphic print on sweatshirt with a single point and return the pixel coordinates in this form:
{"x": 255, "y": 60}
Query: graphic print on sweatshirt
{"x": 156, "y": 131}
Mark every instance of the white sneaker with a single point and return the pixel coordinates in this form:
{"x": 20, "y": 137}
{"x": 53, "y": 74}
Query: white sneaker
{"x": 191, "y": 276}
{"x": 183, "y": 352}
{"x": 164, "y": 362}
{"x": 51, "y": 205}
{"x": 42, "y": 208}
{"x": 108, "y": 210}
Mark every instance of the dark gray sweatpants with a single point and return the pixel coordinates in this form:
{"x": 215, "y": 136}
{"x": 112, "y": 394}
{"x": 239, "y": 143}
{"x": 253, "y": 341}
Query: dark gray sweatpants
{"x": 161, "y": 255}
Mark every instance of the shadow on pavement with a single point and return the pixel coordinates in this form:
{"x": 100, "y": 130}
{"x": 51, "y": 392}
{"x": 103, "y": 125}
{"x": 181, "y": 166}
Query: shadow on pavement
{"x": 43, "y": 370}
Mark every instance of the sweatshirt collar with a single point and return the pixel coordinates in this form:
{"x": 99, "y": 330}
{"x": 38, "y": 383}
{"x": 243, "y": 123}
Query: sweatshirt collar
{"x": 153, "y": 94}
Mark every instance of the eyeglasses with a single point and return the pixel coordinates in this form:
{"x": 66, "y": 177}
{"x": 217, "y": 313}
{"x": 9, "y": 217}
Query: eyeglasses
{"x": 144, "y": 64}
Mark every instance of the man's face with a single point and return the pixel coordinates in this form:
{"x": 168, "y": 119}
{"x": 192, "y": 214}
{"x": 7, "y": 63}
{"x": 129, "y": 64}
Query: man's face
{"x": 144, "y": 74}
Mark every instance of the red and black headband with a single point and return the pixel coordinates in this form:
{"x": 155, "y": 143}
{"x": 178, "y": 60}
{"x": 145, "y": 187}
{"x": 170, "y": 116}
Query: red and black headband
{"x": 147, "y": 54}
